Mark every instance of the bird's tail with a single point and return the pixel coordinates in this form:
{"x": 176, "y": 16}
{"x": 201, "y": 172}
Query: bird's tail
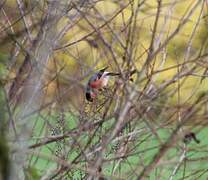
{"x": 103, "y": 70}
{"x": 112, "y": 74}
{"x": 119, "y": 74}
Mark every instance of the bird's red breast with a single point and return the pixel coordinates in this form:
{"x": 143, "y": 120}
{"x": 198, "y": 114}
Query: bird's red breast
{"x": 97, "y": 84}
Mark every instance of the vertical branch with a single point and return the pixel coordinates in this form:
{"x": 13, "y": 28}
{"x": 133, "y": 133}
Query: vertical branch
{"x": 26, "y": 20}
{"x": 35, "y": 82}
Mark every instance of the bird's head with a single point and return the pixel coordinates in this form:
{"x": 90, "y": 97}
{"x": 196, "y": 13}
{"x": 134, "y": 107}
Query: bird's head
{"x": 90, "y": 94}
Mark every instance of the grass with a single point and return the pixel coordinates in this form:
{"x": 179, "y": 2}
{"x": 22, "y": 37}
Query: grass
{"x": 143, "y": 150}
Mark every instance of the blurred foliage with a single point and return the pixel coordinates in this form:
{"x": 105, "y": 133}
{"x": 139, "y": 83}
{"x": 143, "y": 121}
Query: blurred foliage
{"x": 175, "y": 49}
{"x": 90, "y": 54}
{"x": 31, "y": 174}
{"x": 4, "y": 158}
{"x": 4, "y": 150}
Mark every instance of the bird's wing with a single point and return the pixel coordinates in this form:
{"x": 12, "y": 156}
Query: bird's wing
{"x": 93, "y": 78}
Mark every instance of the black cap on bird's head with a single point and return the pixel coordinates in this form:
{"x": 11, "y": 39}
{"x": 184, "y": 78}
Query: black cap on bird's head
{"x": 88, "y": 94}
{"x": 89, "y": 97}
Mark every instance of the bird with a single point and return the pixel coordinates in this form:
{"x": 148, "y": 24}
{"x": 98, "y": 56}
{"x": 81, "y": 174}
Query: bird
{"x": 96, "y": 82}
{"x": 190, "y": 136}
